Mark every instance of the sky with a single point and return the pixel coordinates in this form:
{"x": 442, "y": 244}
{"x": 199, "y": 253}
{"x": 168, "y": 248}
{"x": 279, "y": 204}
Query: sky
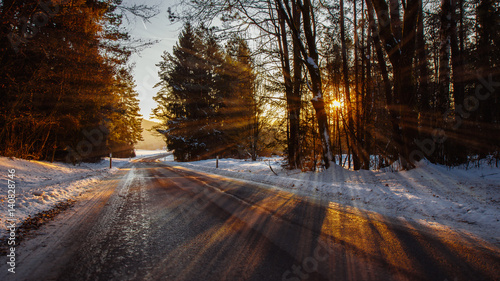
{"x": 146, "y": 72}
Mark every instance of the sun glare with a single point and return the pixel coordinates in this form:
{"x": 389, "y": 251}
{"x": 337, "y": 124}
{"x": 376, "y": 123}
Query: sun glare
{"x": 336, "y": 104}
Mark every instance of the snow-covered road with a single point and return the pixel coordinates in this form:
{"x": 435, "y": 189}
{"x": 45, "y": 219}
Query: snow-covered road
{"x": 41, "y": 185}
{"x": 149, "y": 221}
{"x": 467, "y": 201}
{"x": 435, "y": 196}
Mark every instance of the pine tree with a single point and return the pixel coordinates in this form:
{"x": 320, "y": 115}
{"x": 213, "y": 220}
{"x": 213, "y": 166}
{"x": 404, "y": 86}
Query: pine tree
{"x": 186, "y": 99}
{"x": 56, "y": 78}
{"x": 206, "y": 99}
{"x": 124, "y": 121}
{"x": 238, "y": 106}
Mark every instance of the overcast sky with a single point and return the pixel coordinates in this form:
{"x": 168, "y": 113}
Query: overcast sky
{"x": 146, "y": 72}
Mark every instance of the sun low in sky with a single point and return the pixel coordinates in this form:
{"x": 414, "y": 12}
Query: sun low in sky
{"x": 336, "y": 104}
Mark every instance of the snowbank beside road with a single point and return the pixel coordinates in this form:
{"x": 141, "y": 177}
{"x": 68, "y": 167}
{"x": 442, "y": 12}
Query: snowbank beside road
{"x": 40, "y": 185}
{"x": 432, "y": 195}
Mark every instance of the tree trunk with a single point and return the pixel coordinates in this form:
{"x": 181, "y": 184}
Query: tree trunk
{"x": 355, "y": 126}
{"x": 296, "y": 94}
{"x": 423, "y": 91}
{"x": 401, "y": 53}
{"x": 311, "y": 57}
{"x": 347, "y": 91}
{"x": 292, "y": 136}
{"x": 409, "y": 115}
{"x": 366, "y": 96}
{"x": 444, "y": 57}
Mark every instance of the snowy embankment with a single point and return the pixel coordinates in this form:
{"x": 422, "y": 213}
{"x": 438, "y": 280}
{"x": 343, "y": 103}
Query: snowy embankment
{"x": 40, "y": 185}
{"x": 464, "y": 200}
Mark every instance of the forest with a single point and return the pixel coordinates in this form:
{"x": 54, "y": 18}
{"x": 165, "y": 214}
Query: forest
{"x": 65, "y": 81}
{"x": 361, "y": 84}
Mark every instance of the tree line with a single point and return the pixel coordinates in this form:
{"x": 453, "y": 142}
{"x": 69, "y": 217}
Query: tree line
{"x": 369, "y": 83}
{"x": 65, "y": 82}
{"x": 206, "y": 99}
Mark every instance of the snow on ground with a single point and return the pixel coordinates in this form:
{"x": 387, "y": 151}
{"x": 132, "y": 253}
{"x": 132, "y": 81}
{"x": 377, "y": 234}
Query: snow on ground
{"x": 145, "y": 153}
{"x": 40, "y": 185}
{"x": 431, "y": 195}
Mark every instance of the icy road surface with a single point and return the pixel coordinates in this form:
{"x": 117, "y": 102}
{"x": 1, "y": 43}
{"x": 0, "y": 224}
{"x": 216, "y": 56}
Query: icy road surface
{"x": 152, "y": 221}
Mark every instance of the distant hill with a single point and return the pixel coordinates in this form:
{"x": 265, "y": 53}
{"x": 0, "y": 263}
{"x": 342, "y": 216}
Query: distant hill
{"x": 152, "y": 139}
